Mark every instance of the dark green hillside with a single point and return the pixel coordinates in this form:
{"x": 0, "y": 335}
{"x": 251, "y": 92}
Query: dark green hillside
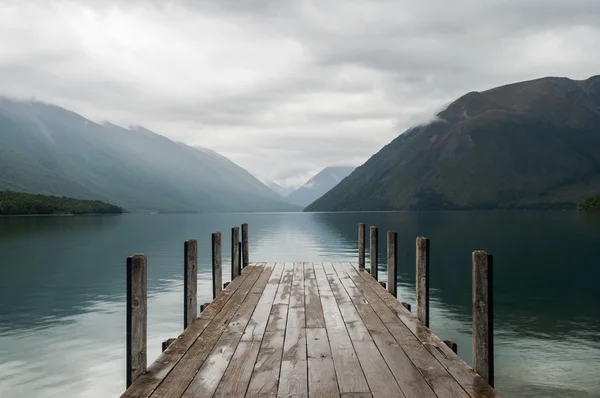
{"x": 18, "y": 203}
{"x": 589, "y": 204}
{"x": 534, "y": 144}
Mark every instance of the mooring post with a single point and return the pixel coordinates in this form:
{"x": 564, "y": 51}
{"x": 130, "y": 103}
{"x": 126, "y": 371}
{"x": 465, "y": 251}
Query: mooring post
{"x": 452, "y": 345}
{"x": 422, "y": 282}
{"x": 235, "y": 257}
{"x": 240, "y": 259}
{"x": 167, "y": 343}
{"x": 483, "y": 315}
{"x": 137, "y": 317}
{"x": 361, "y": 246}
{"x": 373, "y": 252}
{"x": 190, "y": 282}
{"x": 392, "y": 263}
{"x": 245, "y": 244}
{"x": 217, "y": 272}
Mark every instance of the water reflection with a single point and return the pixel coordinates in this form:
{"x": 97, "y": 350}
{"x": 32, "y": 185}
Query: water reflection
{"x": 62, "y": 290}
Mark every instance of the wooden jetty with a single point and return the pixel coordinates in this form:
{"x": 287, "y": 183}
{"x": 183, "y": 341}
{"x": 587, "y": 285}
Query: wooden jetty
{"x": 307, "y": 329}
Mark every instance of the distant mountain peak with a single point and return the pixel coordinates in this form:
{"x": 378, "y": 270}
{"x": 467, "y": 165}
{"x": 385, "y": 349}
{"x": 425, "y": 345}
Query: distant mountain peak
{"x": 319, "y": 184}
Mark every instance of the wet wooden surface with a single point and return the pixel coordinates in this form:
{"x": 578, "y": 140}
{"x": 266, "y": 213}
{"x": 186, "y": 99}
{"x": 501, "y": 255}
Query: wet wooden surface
{"x": 307, "y": 330}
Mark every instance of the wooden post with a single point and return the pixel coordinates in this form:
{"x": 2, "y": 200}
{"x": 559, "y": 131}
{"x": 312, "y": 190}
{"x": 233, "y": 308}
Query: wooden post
{"x": 240, "y": 259}
{"x": 452, "y": 345}
{"x": 137, "y": 317}
{"x": 483, "y": 315}
{"x": 361, "y": 246}
{"x": 167, "y": 343}
{"x": 422, "y": 283}
{"x": 245, "y": 244}
{"x": 373, "y": 252}
{"x": 217, "y": 271}
{"x": 190, "y": 282}
{"x": 235, "y": 257}
{"x": 392, "y": 263}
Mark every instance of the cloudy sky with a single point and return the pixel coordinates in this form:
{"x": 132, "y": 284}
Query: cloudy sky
{"x": 285, "y": 88}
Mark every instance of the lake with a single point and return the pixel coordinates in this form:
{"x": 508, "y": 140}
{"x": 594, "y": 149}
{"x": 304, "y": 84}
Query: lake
{"x": 62, "y": 289}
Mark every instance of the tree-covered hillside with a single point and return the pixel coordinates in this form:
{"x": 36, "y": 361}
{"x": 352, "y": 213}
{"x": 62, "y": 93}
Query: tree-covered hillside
{"x": 18, "y": 203}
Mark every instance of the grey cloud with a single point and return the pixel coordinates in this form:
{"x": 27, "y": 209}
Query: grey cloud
{"x": 286, "y": 87}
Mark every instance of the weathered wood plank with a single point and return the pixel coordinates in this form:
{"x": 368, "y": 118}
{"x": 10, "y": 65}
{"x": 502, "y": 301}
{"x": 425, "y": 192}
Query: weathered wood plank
{"x": 410, "y": 380}
{"x": 237, "y": 376}
{"x": 354, "y": 323}
{"x": 217, "y": 264}
{"x": 322, "y": 381}
{"x": 373, "y": 254}
{"x": 258, "y": 322}
{"x": 422, "y": 282}
{"x": 176, "y": 382}
{"x": 206, "y": 381}
{"x": 293, "y": 379}
{"x": 381, "y": 381}
{"x": 146, "y": 383}
{"x": 235, "y": 258}
{"x": 312, "y": 302}
{"x": 483, "y": 315}
{"x": 285, "y": 286}
{"x": 137, "y": 316}
{"x": 245, "y": 254}
{"x": 190, "y": 282}
{"x": 265, "y": 375}
{"x": 392, "y": 263}
{"x": 470, "y": 381}
{"x": 361, "y": 246}
{"x": 349, "y": 374}
{"x": 434, "y": 373}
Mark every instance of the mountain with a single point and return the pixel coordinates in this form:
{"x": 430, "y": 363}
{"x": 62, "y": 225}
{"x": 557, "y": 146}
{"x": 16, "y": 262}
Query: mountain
{"x": 279, "y": 189}
{"x": 50, "y": 150}
{"x": 534, "y": 144}
{"x": 318, "y": 185}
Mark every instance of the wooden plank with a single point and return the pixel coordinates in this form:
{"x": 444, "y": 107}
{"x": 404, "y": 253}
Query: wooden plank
{"x": 206, "y": 381}
{"x": 162, "y": 366}
{"x": 374, "y": 255}
{"x": 361, "y": 246}
{"x": 312, "y": 302}
{"x": 296, "y": 315}
{"x": 293, "y": 378}
{"x": 409, "y": 379}
{"x": 137, "y": 316}
{"x": 190, "y": 282}
{"x": 235, "y": 259}
{"x": 354, "y": 323}
{"x": 245, "y": 253}
{"x": 237, "y": 376}
{"x": 285, "y": 286}
{"x": 434, "y": 373}
{"x": 410, "y": 326}
{"x": 217, "y": 264}
{"x": 176, "y": 382}
{"x": 422, "y": 282}
{"x": 265, "y": 375}
{"x": 380, "y": 379}
{"x": 392, "y": 263}
{"x": 483, "y": 315}
{"x": 258, "y": 322}
{"x": 322, "y": 381}
{"x": 349, "y": 374}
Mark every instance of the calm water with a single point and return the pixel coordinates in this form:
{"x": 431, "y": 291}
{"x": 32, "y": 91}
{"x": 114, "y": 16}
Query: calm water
{"x": 62, "y": 289}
